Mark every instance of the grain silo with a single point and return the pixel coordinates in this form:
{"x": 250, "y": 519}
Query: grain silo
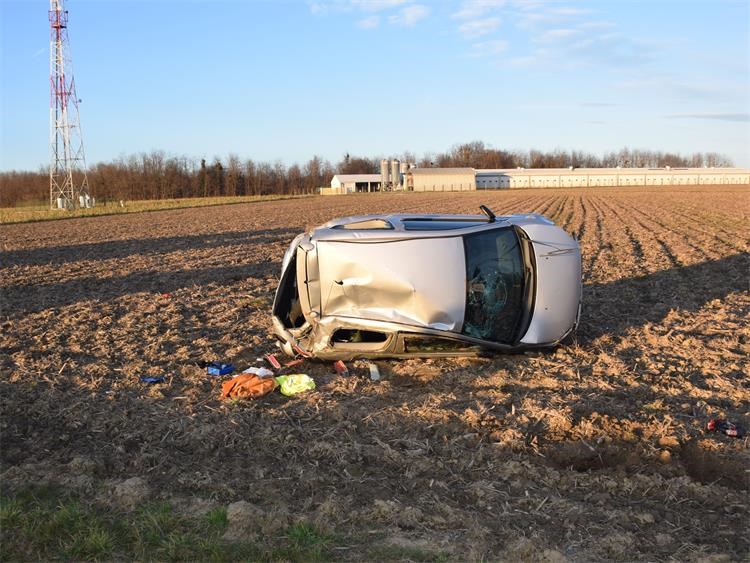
{"x": 385, "y": 171}
{"x": 395, "y": 173}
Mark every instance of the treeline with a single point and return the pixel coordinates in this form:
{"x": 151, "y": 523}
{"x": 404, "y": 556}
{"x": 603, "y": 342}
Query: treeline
{"x": 156, "y": 175}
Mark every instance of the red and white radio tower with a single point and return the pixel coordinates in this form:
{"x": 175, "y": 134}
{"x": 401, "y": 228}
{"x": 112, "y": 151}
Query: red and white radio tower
{"x": 68, "y": 184}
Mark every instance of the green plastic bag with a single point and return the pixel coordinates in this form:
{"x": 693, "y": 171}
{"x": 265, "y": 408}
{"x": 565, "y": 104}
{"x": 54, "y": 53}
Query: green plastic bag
{"x": 294, "y": 383}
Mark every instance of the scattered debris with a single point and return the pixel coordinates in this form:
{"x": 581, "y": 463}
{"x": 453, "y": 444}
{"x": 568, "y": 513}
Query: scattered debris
{"x": 247, "y": 386}
{"x": 152, "y": 379}
{"x": 295, "y": 383}
{"x": 374, "y": 372}
{"x": 273, "y": 361}
{"x": 725, "y": 427}
{"x": 341, "y": 368}
{"x": 219, "y": 368}
{"x": 260, "y": 372}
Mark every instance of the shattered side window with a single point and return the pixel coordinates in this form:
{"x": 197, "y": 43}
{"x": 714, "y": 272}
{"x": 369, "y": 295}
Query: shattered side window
{"x": 494, "y": 285}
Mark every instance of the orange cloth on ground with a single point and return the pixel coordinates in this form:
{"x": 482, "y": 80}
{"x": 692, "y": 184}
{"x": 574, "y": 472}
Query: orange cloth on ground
{"x": 247, "y": 386}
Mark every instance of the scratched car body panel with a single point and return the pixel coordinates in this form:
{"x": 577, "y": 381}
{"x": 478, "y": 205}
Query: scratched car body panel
{"x": 401, "y": 285}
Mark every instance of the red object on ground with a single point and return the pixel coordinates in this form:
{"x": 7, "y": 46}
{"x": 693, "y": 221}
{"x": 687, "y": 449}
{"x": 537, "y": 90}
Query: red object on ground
{"x": 273, "y": 361}
{"x": 725, "y": 427}
{"x": 341, "y": 368}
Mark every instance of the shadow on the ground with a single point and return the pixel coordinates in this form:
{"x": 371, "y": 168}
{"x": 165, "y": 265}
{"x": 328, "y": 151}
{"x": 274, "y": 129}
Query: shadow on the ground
{"x": 25, "y": 299}
{"x": 115, "y": 249}
{"x": 612, "y": 308}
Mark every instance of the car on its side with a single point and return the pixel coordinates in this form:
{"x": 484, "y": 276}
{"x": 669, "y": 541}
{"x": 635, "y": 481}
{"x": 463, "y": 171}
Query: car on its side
{"x": 418, "y": 285}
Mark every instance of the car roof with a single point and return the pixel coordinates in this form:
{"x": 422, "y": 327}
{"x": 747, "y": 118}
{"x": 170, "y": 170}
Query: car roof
{"x": 417, "y": 225}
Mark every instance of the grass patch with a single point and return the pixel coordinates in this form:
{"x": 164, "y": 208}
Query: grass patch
{"x": 41, "y": 523}
{"x": 393, "y": 553}
{"x": 304, "y": 543}
{"x": 31, "y": 213}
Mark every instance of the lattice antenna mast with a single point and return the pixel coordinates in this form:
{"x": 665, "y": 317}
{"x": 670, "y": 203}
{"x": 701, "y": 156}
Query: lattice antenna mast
{"x": 68, "y": 184}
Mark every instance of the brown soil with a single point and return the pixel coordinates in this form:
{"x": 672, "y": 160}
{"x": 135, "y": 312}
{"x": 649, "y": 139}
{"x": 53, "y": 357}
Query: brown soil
{"x": 593, "y": 451}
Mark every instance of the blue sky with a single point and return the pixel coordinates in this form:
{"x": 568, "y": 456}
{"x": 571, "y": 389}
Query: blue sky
{"x": 286, "y": 80}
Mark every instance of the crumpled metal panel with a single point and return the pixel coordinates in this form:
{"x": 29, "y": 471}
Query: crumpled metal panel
{"x": 418, "y": 282}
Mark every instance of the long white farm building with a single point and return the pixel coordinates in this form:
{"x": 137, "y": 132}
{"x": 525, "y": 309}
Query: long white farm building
{"x": 466, "y": 179}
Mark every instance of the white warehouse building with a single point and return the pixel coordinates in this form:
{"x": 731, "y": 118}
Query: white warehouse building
{"x": 353, "y": 183}
{"x": 468, "y": 179}
{"x": 590, "y": 177}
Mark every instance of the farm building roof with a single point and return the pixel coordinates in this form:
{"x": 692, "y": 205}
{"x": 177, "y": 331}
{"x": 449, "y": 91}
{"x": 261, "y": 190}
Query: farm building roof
{"x": 444, "y": 171}
{"x": 557, "y": 171}
{"x": 358, "y": 177}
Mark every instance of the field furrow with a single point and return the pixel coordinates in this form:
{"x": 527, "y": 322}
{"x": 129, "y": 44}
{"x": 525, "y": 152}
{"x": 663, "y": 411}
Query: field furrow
{"x": 596, "y": 450}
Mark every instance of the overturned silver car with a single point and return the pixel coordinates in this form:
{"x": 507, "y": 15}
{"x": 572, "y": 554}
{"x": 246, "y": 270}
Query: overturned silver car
{"x": 396, "y": 286}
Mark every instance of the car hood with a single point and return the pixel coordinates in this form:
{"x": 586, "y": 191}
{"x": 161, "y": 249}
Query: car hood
{"x": 558, "y": 284}
{"x": 385, "y": 282}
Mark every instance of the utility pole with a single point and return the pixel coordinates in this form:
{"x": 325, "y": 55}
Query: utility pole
{"x": 68, "y": 184}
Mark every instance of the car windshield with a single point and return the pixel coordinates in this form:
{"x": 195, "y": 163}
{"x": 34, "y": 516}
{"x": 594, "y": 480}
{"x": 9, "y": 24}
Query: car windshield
{"x": 494, "y": 285}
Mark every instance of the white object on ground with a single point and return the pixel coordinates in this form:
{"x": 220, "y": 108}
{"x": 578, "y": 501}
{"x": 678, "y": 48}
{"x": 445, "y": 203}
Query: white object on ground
{"x": 260, "y": 372}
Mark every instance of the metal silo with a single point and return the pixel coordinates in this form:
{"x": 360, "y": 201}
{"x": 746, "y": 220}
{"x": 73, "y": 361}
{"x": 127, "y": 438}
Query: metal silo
{"x": 395, "y": 173}
{"x": 384, "y": 174}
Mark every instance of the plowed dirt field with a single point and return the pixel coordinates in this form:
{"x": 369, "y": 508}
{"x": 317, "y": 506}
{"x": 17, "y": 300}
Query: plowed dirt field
{"x": 594, "y": 451}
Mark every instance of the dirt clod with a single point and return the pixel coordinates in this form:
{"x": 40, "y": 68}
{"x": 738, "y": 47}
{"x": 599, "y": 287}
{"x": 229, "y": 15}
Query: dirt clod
{"x": 131, "y": 492}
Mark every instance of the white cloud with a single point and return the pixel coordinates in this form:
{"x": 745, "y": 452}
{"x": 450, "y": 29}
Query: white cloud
{"x": 369, "y": 23}
{"x": 477, "y": 28}
{"x": 596, "y": 25}
{"x": 531, "y": 17}
{"x": 567, "y": 11}
{"x": 472, "y": 9}
{"x": 377, "y": 5}
{"x": 489, "y": 48}
{"x": 737, "y": 117}
{"x": 410, "y": 15}
{"x": 557, "y": 34}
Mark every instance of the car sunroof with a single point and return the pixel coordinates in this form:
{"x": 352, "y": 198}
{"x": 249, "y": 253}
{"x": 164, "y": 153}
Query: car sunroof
{"x": 438, "y": 224}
